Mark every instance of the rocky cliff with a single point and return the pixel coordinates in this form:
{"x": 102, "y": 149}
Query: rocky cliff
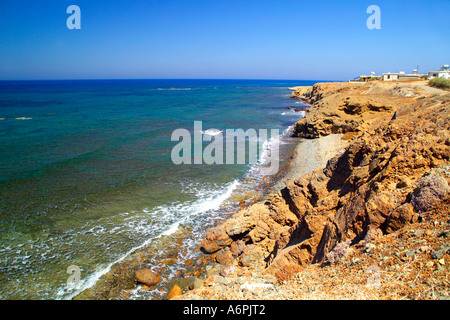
{"x": 394, "y": 168}
{"x": 350, "y": 107}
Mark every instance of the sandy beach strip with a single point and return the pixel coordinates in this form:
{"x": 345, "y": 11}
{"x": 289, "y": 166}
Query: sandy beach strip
{"x": 311, "y": 154}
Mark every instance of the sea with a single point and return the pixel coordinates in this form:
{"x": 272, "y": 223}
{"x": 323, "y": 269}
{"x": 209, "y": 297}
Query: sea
{"x": 87, "y": 177}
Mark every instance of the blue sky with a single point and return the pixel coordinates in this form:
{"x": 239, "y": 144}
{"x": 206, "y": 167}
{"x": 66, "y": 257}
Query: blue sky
{"x": 214, "y": 39}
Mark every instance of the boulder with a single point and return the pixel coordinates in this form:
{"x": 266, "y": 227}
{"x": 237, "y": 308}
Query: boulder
{"x": 216, "y": 239}
{"x": 176, "y": 291}
{"x": 432, "y": 188}
{"x": 224, "y": 256}
{"x": 237, "y": 248}
{"x": 147, "y": 277}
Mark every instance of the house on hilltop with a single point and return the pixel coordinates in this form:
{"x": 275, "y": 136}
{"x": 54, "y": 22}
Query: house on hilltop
{"x": 402, "y": 76}
{"x": 444, "y": 72}
{"x": 365, "y": 78}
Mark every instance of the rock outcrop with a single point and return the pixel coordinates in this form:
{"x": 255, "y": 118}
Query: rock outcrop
{"x": 401, "y": 136}
{"x": 349, "y": 107}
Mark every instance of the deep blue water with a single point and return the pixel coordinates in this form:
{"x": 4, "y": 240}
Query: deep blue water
{"x": 86, "y": 172}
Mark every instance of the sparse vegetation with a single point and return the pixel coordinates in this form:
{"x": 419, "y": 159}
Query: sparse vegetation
{"x": 440, "y": 83}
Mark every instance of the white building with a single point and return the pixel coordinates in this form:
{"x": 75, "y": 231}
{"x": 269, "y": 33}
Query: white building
{"x": 444, "y": 72}
{"x": 401, "y": 76}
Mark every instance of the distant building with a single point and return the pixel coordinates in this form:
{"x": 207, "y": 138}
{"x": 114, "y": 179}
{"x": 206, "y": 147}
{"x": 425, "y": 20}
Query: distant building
{"x": 444, "y": 72}
{"x": 364, "y": 78}
{"x": 390, "y": 76}
{"x": 401, "y": 76}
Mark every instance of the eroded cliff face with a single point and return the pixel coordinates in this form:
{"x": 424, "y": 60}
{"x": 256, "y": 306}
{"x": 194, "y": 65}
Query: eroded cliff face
{"x": 345, "y": 107}
{"x": 400, "y": 136}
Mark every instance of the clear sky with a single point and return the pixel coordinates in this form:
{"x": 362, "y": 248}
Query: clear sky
{"x": 220, "y": 39}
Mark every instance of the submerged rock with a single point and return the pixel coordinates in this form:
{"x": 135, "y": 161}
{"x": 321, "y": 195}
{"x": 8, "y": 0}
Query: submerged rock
{"x": 147, "y": 277}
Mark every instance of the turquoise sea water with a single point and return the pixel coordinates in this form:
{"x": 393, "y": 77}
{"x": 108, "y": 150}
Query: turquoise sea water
{"x": 86, "y": 175}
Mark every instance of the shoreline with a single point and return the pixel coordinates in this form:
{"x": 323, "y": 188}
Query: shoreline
{"x": 306, "y": 156}
{"x": 355, "y": 211}
{"x": 323, "y": 196}
{"x": 121, "y": 273}
{"x": 310, "y": 155}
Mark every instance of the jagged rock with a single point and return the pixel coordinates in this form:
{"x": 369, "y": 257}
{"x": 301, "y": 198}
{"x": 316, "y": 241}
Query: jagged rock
{"x": 237, "y": 248}
{"x": 229, "y": 271}
{"x": 339, "y": 251}
{"x": 216, "y": 239}
{"x": 338, "y": 107}
{"x": 260, "y": 231}
{"x": 373, "y": 234}
{"x": 224, "y": 256}
{"x": 400, "y": 216}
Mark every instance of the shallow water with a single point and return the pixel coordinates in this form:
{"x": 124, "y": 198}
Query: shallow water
{"x": 86, "y": 176}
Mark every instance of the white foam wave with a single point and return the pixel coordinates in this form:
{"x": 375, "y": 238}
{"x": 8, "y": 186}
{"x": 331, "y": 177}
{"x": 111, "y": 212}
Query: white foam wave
{"x": 212, "y": 132}
{"x": 176, "y": 89}
{"x": 184, "y": 211}
{"x": 292, "y": 112}
{"x": 265, "y": 155}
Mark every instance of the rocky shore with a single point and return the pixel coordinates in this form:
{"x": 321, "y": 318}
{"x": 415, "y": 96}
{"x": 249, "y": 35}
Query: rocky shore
{"x": 372, "y": 221}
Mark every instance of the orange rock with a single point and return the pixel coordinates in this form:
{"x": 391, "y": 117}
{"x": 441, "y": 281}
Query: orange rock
{"x": 147, "y": 277}
{"x": 169, "y": 261}
{"x": 176, "y": 291}
{"x": 125, "y": 295}
{"x": 188, "y": 263}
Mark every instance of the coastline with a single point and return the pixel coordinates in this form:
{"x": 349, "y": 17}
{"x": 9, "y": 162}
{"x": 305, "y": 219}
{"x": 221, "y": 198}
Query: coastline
{"x": 119, "y": 281}
{"x": 343, "y": 185}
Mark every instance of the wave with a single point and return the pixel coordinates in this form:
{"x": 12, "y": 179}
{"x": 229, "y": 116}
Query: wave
{"x": 181, "y": 89}
{"x": 175, "y": 89}
{"x": 291, "y": 112}
{"x": 212, "y": 132}
{"x": 177, "y": 213}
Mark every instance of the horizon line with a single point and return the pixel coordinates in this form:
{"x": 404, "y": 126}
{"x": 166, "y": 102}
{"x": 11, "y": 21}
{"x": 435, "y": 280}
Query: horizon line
{"x": 115, "y": 79}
